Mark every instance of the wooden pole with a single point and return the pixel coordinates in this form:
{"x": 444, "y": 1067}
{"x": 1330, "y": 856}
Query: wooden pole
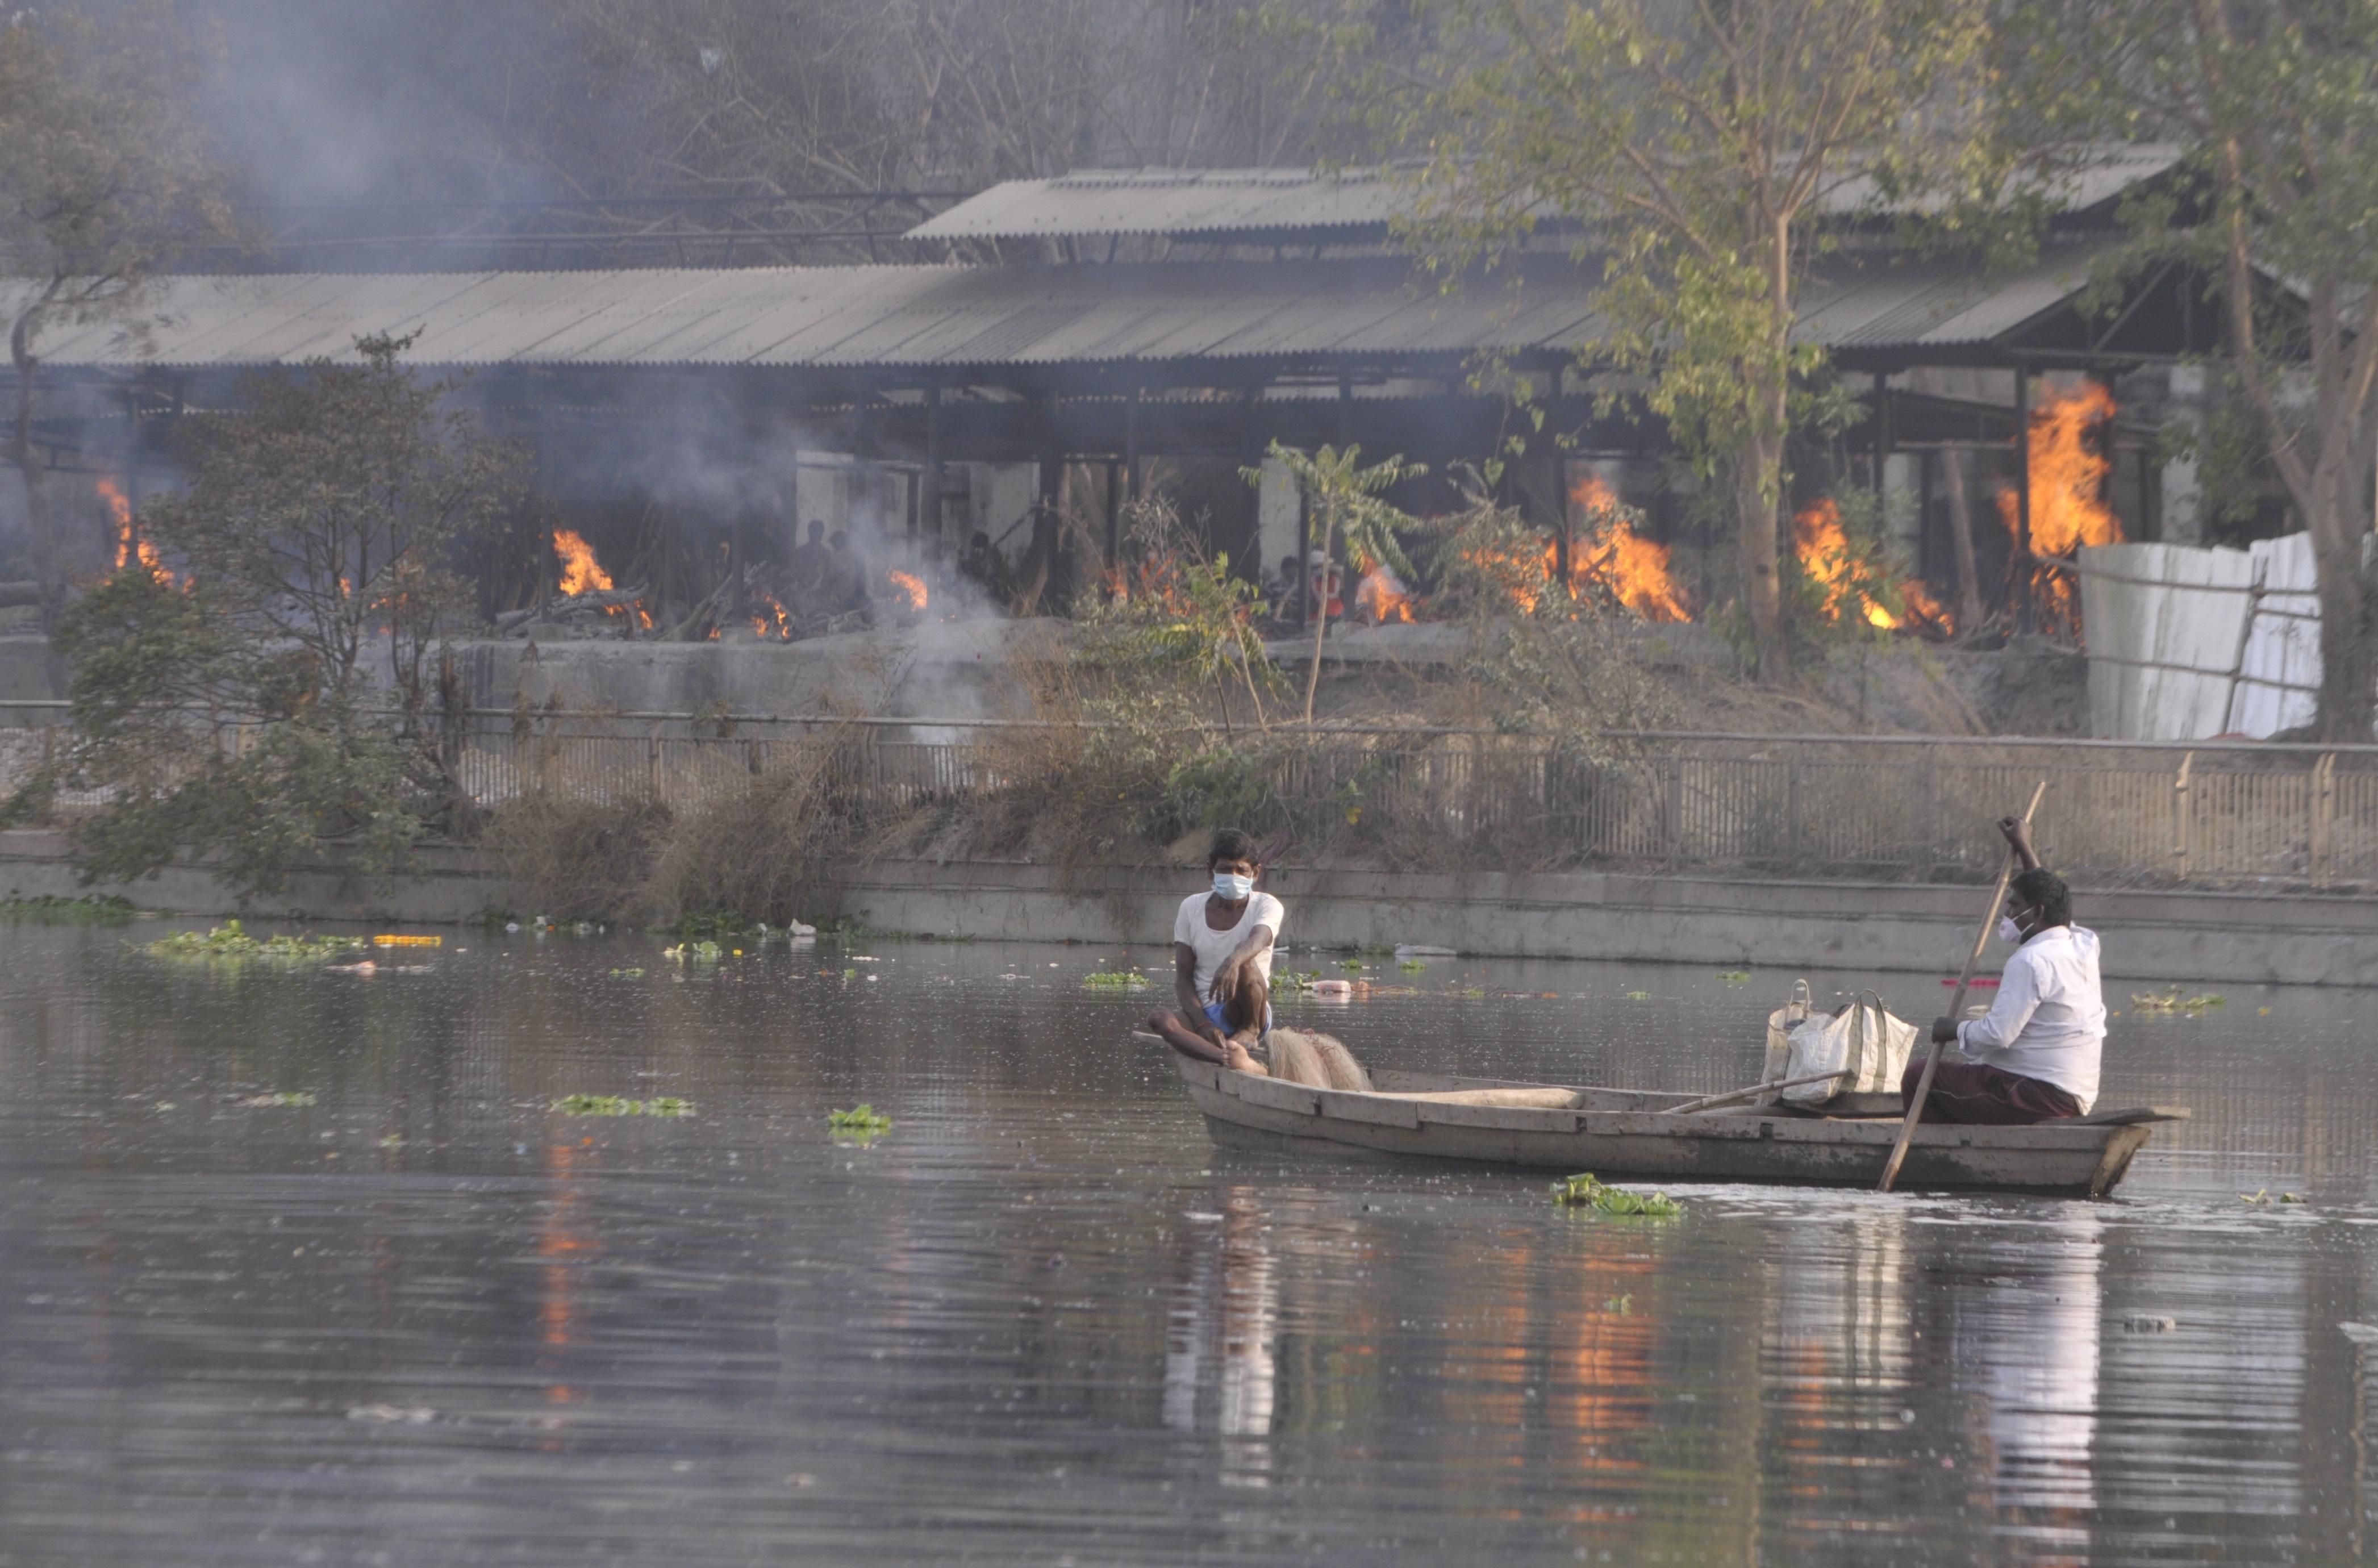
{"x": 1956, "y": 1004}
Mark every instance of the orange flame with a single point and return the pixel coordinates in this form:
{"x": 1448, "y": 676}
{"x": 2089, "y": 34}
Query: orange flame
{"x": 1381, "y": 598}
{"x": 2068, "y": 486}
{"x": 580, "y": 573}
{"x": 1634, "y": 568}
{"x": 1852, "y": 585}
{"x": 129, "y": 546}
{"x": 910, "y": 585}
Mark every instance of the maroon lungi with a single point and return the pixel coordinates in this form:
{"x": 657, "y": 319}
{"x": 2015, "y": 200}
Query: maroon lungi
{"x": 1968, "y": 1091}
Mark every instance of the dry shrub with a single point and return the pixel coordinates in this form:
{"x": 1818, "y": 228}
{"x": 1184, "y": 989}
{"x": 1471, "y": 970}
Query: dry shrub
{"x": 760, "y": 850}
{"x": 576, "y": 857}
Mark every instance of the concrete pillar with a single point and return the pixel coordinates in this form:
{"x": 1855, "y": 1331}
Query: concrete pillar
{"x": 1279, "y": 514}
{"x": 2182, "y": 489}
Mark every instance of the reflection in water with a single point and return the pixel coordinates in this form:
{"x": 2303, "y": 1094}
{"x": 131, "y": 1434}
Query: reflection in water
{"x": 2027, "y": 1344}
{"x": 1230, "y": 1320}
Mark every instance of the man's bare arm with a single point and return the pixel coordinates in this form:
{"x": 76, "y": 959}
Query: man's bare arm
{"x": 2018, "y": 833}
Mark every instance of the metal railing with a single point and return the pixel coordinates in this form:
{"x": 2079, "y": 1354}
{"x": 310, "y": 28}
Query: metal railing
{"x": 2117, "y": 812}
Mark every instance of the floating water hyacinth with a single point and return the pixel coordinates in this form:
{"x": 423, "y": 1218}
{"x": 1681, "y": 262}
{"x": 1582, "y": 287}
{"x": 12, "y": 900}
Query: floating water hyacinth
{"x": 1586, "y": 1192}
{"x": 614, "y": 1106}
{"x": 862, "y": 1122}
{"x": 1115, "y": 979}
{"x": 230, "y": 943}
{"x": 1734, "y": 976}
{"x": 2167, "y": 1004}
{"x": 53, "y": 908}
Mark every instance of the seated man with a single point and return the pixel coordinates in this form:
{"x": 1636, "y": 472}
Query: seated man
{"x": 2034, "y": 1057}
{"x": 1221, "y": 959}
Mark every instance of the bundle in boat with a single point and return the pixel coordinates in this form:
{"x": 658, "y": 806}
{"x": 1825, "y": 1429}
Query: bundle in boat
{"x": 1864, "y": 1048}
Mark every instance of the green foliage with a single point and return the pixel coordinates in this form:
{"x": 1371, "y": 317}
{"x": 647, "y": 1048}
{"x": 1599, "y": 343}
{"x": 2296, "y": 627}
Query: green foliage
{"x": 1348, "y": 500}
{"x": 1222, "y": 786}
{"x": 1734, "y": 976}
{"x": 230, "y": 946}
{"x": 694, "y": 952}
{"x": 613, "y": 1105}
{"x": 863, "y": 1124}
{"x": 1115, "y": 979}
{"x": 1412, "y": 966}
{"x": 1585, "y": 1192}
{"x": 267, "y": 685}
{"x": 53, "y": 908}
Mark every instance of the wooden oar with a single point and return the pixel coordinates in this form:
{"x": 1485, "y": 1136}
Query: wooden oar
{"x": 1956, "y": 1004}
{"x": 1733, "y": 1096}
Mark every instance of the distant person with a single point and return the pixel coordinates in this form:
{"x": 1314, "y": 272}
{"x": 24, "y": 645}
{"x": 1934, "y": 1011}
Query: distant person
{"x": 810, "y": 561}
{"x": 2034, "y": 1057}
{"x": 1222, "y": 943}
{"x": 1285, "y": 592}
{"x": 987, "y": 569}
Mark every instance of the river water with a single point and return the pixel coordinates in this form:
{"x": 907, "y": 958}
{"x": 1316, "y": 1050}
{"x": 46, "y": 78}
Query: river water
{"x": 427, "y": 1320}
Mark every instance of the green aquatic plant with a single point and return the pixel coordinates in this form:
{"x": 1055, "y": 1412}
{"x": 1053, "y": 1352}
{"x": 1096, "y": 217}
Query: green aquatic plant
{"x": 695, "y": 952}
{"x": 1412, "y": 966}
{"x": 1586, "y": 1192}
{"x": 1473, "y": 993}
{"x": 1734, "y": 976}
{"x": 53, "y": 909}
{"x": 2170, "y": 1003}
{"x": 1115, "y": 979}
{"x": 613, "y": 1105}
{"x": 862, "y": 1121}
{"x": 230, "y": 943}
{"x": 1293, "y": 980}
{"x": 1355, "y": 964}
{"x": 627, "y": 974}
{"x": 1638, "y": 995}
{"x": 284, "y": 1097}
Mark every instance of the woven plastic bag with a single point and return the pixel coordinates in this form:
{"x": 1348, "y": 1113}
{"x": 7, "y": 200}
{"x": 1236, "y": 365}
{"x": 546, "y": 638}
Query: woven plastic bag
{"x": 1779, "y": 1025}
{"x": 1862, "y": 1039}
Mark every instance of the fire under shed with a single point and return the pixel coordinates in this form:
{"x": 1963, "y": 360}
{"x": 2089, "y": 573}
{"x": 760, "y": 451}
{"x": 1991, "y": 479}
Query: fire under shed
{"x": 1096, "y": 333}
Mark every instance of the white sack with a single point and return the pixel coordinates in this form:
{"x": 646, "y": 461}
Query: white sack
{"x": 1863, "y": 1038}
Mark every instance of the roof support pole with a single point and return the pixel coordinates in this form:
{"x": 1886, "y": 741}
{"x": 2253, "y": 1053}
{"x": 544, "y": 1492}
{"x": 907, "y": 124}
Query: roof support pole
{"x": 1345, "y": 410}
{"x": 2026, "y": 614}
{"x": 1131, "y": 463}
{"x": 1882, "y": 431}
{"x": 1115, "y": 514}
{"x": 929, "y": 504}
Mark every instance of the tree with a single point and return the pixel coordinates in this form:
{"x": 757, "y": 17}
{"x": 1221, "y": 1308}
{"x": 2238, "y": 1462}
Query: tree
{"x": 1698, "y": 144}
{"x": 103, "y": 176}
{"x": 257, "y": 676}
{"x": 1346, "y": 497}
{"x": 2278, "y": 103}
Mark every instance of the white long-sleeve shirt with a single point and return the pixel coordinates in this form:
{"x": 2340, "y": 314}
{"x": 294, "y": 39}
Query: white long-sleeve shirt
{"x": 2049, "y": 1019}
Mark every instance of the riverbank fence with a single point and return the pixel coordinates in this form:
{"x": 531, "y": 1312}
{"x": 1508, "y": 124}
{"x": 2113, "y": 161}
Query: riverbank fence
{"x": 2208, "y": 814}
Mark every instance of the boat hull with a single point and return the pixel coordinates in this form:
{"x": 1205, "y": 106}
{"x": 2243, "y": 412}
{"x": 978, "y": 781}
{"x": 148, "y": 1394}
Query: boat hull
{"x": 1625, "y": 1136}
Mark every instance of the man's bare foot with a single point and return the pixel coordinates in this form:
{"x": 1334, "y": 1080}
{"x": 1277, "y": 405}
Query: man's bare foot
{"x": 1242, "y": 1061}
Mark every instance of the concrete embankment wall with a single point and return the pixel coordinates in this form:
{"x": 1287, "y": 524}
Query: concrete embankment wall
{"x": 2190, "y": 937}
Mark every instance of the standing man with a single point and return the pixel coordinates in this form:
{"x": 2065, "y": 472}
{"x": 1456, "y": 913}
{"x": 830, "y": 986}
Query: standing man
{"x": 1222, "y": 944}
{"x": 2034, "y": 1058}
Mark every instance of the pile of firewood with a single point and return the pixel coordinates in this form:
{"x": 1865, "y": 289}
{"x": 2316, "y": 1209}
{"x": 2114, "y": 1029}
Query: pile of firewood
{"x": 609, "y": 613}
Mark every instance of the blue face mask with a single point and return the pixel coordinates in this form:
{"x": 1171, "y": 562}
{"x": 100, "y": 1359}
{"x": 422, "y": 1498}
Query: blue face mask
{"x": 1231, "y": 890}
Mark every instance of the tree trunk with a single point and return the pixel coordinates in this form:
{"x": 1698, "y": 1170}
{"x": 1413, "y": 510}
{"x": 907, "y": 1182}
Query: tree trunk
{"x": 1759, "y": 487}
{"x": 48, "y": 571}
{"x": 2348, "y": 674}
{"x": 1961, "y": 536}
{"x": 1321, "y": 606}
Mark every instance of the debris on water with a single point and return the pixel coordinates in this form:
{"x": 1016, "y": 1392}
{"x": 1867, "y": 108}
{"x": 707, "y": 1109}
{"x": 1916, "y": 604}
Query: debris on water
{"x": 408, "y": 1414}
{"x": 1410, "y": 966}
{"x": 613, "y": 1105}
{"x": 694, "y": 952}
{"x": 2290, "y": 1197}
{"x": 1473, "y": 993}
{"x": 1585, "y": 1192}
{"x": 229, "y": 944}
{"x": 393, "y": 1141}
{"x": 513, "y": 927}
{"x": 284, "y": 1097}
{"x": 2141, "y": 1322}
{"x": 396, "y": 939}
{"x": 627, "y": 974}
{"x": 1115, "y": 979}
{"x": 2359, "y": 1333}
{"x": 1638, "y": 995}
{"x": 2262, "y": 1194}
{"x": 1424, "y": 950}
{"x": 1734, "y": 976}
{"x": 862, "y": 1122}
{"x": 1333, "y": 990}
{"x": 1350, "y": 964}
{"x": 2171, "y": 1002}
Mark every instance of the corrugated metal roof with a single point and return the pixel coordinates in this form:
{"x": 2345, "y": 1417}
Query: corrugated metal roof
{"x": 953, "y": 315}
{"x": 1092, "y": 202}
{"x": 1171, "y": 201}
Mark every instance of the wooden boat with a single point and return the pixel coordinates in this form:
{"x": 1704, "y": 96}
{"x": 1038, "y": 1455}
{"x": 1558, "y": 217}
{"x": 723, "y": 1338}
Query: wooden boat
{"x": 1626, "y": 1134}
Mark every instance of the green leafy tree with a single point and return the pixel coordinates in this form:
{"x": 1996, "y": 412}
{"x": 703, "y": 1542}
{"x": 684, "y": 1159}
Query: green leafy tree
{"x": 1698, "y": 145}
{"x": 2277, "y": 102}
{"x": 1347, "y": 499}
{"x": 264, "y": 679}
{"x": 103, "y": 175}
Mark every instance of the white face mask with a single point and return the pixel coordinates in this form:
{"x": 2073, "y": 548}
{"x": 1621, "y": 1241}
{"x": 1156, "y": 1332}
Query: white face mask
{"x": 2008, "y": 931}
{"x": 1230, "y": 889}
